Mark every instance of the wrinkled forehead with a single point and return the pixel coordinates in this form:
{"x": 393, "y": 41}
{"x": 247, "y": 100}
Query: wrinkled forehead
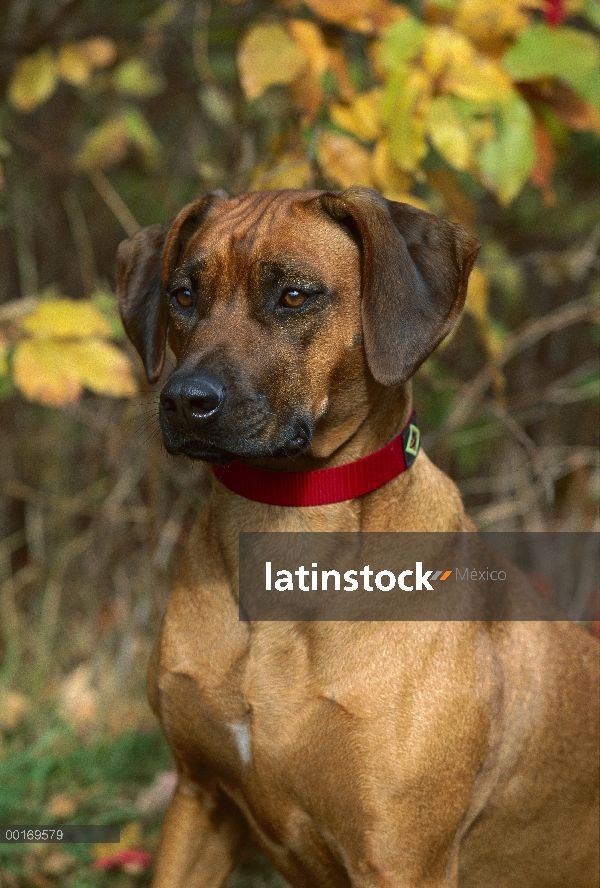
{"x": 285, "y": 228}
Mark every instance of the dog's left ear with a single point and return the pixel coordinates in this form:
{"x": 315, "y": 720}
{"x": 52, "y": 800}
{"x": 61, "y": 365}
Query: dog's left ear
{"x": 414, "y": 281}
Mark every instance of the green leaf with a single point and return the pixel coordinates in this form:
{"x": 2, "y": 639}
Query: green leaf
{"x": 506, "y": 161}
{"x": 406, "y": 89}
{"x": 401, "y": 43}
{"x": 447, "y": 131}
{"x": 565, "y": 53}
{"x": 135, "y": 78}
{"x": 34, "y": 80}
{"x": 591, "y": 11}
{"x": 104, "y": 145}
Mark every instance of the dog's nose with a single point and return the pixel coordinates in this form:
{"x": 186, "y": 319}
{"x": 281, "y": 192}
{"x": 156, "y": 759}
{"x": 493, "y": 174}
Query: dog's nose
{"x": 187, "y": 400}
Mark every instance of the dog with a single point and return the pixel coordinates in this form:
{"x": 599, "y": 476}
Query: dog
{"x": 357, "y": 754}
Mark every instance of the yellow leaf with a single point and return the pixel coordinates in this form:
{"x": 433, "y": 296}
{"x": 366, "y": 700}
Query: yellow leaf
{"x": 393, "y": 182}
{"x": 131, "y": 837}
{"x": 61, "y": 805}
{"x": 13, "y": 709}
{"x": 73, "y": 64}
{"x": 404, "y": 103}
{"x": 43, "y": 372}
{"x": 65, "y": 319}
{"x": 34, "y": 80}
{"x": 361, "y": 116}
{"x": 364, "y": 16}
{"x": 104, "y": 145}
{"x": 478, "y": 297}
{"x": 76, "y": 61}
{"x": 102, "y": 367}
{"x": 447, "y": 131}
{"x": 455, "y": 63}
{"x": 493, "y": 24}
{"x": 291, "y": 171}
{"x": 309, "y": 38}
{"x": 268, "y": 56}
{"x": 100, "y": 51}
{"x": 344, "y": 161}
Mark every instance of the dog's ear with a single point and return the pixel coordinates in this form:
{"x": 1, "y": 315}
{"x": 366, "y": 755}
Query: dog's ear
{"x": 145, "y": 262}
{"x": 415, "y": 269}
{"x": 143, "y": 310}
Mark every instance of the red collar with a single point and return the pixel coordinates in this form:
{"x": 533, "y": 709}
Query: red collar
{"x": 323, "y": 486}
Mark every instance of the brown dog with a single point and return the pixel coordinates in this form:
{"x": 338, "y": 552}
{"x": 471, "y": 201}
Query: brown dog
{"x": 363, "y": 754}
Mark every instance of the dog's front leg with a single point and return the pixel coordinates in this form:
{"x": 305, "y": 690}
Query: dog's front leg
{"x": 202, "y": 838}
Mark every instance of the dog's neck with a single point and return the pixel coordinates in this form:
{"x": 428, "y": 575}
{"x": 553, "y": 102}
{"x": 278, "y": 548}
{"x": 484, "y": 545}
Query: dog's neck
{"x": 364, "y": 432}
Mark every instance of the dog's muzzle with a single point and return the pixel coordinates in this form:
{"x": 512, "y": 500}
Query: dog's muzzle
{"x": 200, "y": 418}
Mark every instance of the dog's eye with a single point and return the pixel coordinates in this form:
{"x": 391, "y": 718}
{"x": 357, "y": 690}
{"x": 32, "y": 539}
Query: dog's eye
{"x": 293, "y": 298}
{"x": 182, "y": 296}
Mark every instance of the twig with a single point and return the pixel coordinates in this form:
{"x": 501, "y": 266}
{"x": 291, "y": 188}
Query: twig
{"x": 52, "y": 596}
{"x": 81, "y": 239}
{"x": 114, "y": 201}
{"x": 572, "y": 313}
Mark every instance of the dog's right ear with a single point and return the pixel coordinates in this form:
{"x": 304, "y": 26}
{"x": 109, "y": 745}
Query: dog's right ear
{"x": 143, "y": 310}
{"x": 145, "y": 262}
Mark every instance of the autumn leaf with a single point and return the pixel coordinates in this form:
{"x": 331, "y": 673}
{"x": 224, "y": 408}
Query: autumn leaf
{"x": 74, "y": 65}
{"x": 453, "y": 60}
{"x": 493, "y": 24}
{"x": 361, "y": 116}
{"x": 545, "y": 162}
{"x": 43, "y": 372}
{"x": 34, "y": 80}
{"x": 101, "y": 367}
{"x": 393, "y": 182}
{"x": 569, "y": 55}
{"x": 124, "y": 855}
{"x": 404, "y": 99}
{"x": 506, "y": 161}
{"x": 448, "y": 133}
{"x": 570, "y": 108}
{"x": 268, "y": 56}
{"x": 478, "y": 297}
{"x": 61, "y": 805}
{"x": 99, "y": 51}
{"x": 399, "y": 44}
{"x": 309, "y": 38}
{"x": 132, "y": 860}
{"x": 364, "y": 16}
{"x": 64, "y": 319}
{"x": 77, "y": 61}
{"x": 290, "y": 171}
{"x": 344, "y": 161}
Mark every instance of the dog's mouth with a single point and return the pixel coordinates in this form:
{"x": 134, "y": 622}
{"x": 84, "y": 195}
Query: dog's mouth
{"x": 207, "y": 450}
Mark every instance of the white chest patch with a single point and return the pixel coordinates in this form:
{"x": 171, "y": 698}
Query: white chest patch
{"x": 241, "y": 733}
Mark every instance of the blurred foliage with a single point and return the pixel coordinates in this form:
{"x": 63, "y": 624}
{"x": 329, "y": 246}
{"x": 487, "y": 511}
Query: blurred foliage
{"x": 437, "y": 103}
{"x": 113, "y": 115}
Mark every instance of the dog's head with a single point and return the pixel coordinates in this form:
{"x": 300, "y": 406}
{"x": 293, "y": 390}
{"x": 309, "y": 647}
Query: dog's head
{"x": 284, "y": 310}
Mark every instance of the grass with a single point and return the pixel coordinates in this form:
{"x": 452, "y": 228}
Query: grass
{"x": 97, "y": 776}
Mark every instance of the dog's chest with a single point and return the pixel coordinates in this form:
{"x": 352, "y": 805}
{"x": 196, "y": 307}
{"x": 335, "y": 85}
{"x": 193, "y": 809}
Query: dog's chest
{"x": 275, "y": 742}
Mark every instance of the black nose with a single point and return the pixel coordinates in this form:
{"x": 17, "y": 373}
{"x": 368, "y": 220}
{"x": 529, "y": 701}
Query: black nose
{"x": 189, "y": 399}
